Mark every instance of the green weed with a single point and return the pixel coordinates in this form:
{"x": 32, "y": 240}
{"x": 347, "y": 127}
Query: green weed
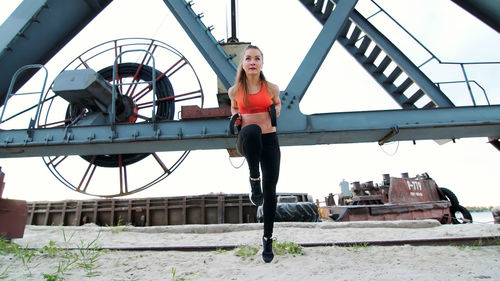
{"x": 64, "y": 265}
{"x": 119, "y": 227}
{"x": 282, "y": 248}
{"x": 85, "y": 257}
{"x": 50, "y": 250}
{"x": 245, "y": 251}
{"x": 89, "y": 253}
{"x": 3, "y": 274}
{"x": 6, "y": 247}
{"x": 477, "y": 245}
{"x": 25, "y": 254}
{"x": 497, "y": 241}
{"x": 62, "y": 268}
{"x": 220, "y": 251}
{"x": 119, "y": 262}
{"x": 175, "y": 278}
{"x": 52, "y": 277}
{"x": 358, "y": 246}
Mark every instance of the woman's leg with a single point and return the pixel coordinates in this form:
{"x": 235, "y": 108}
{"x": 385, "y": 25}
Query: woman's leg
{"x": 249, "y": 144}
{"x": 270, "y": 164}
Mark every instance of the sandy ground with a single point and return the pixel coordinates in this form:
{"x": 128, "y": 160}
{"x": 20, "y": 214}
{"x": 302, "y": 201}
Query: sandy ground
{"x": 317, "y": 263}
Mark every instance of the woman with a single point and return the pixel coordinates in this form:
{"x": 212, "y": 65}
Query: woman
{"x": 251, "y": 99}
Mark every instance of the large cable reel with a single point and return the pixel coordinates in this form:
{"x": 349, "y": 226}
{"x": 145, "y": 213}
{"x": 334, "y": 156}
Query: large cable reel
{"x": 81, "y": 95}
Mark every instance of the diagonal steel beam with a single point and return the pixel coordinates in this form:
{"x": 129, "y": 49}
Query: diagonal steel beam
{"x": 37, "y": 30}
{"x": 487, "y": 11}
{"x": 201, "y": 36}
{"x": 319, "y": 50}
{"x": 294, "y": 92}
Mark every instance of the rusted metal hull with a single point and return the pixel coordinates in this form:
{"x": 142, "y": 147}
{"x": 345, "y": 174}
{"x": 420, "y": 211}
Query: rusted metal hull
{"x": 395, "y": 199}
{"x": 202, "y": 209}
{"x": 13, "y": 214}
{"x": 439, "y": 210}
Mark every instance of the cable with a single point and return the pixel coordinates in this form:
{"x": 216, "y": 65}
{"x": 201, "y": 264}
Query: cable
{"x": 236, "y": 167}
{"x": 395, "y": 151}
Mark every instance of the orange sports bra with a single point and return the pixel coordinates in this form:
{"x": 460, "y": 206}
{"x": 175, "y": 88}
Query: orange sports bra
{"x": 259, "y": 102}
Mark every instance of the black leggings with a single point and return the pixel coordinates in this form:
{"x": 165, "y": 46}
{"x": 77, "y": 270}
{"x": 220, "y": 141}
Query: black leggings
{"x": 263, "y": 149}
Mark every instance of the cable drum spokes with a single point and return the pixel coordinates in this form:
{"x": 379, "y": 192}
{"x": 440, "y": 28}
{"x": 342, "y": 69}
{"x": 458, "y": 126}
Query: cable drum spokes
{"x": 176, "y": 84}
{"x": 165, "y": 108}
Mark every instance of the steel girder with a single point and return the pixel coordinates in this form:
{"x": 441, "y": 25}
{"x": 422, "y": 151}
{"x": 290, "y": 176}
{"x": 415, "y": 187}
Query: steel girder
{"x": 346, "y": 127}
{"x": 37, "y": 30}
{"x": 487, "y": 11}
{"x": 294, "y": 92}
{"x": 201, "y": 36}
{"x": 320, "y": 48}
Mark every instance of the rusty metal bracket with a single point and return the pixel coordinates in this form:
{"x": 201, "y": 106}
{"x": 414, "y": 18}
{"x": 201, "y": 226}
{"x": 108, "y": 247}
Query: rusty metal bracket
{"x": 388, "y": 137}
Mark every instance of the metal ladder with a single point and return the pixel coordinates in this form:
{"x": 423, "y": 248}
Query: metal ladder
{"x": 359, "y": 29}
{"x": 11, "y": 93}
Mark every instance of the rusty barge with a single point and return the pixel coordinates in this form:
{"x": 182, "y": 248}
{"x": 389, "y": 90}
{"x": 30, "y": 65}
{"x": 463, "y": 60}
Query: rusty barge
{"x": 154, "y": 211}
{"x": 396, "y": 198}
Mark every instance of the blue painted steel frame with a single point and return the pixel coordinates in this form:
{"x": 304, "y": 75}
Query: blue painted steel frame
{"x": 291, "y": 118}
{"x": 346, "y": 127}
{"x": 46, "y": 24}
{"x": 402, "y": 60}
{"x": 201, "y": 36}
{"x": 294, "y": 127}
{"x": 320, "y": 48}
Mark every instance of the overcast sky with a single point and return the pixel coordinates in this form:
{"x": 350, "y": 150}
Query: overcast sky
{"x": 285, "y": 30}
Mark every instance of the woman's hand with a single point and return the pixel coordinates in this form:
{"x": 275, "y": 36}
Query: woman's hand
{"x": 238, "y": 119}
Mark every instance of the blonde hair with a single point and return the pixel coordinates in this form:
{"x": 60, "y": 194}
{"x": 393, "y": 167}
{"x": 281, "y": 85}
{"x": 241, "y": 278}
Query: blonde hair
{"x": 241, "y": 77}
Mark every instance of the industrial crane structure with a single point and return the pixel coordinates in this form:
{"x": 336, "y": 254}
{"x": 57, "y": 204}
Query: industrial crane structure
{"x": 112, "y": 111}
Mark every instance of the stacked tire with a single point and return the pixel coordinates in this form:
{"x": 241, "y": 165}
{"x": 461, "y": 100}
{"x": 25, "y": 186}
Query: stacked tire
{"x": 289, "y": 210}
{"x": 459, "y": 213}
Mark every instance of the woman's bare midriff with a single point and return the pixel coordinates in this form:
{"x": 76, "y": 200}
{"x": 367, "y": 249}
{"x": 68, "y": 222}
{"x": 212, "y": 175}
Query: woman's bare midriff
{"x": 262, "y": 119}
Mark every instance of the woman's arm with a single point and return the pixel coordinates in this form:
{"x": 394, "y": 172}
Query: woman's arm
{"x": 275, "y": 96}
{"x": 233, "y": 96}
{"x": 235, "y": 109}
